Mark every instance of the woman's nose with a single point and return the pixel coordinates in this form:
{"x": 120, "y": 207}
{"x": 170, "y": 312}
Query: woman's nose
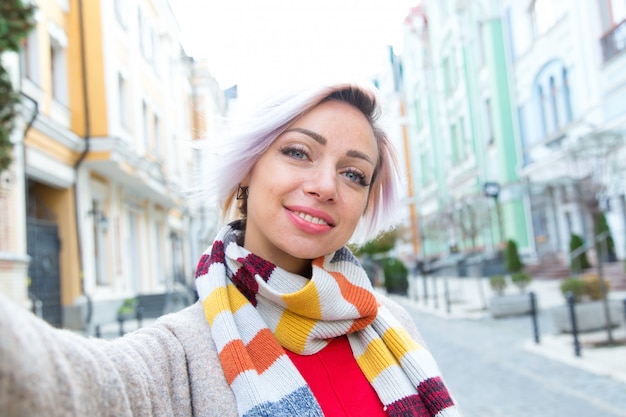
{"x": 322, "y": 183}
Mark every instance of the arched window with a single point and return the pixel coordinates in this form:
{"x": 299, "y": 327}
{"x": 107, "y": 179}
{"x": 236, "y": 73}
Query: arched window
{"x": 553, "y": 97}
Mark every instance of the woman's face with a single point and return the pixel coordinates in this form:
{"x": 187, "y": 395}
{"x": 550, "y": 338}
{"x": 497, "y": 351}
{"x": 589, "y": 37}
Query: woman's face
{"x": 308, "y": 191}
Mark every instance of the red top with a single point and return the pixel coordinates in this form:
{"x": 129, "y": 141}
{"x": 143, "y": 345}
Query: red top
{"x": 337, "y": 382}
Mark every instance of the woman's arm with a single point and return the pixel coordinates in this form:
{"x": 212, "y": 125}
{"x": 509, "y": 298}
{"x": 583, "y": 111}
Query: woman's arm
{"x": 52, "y": 372}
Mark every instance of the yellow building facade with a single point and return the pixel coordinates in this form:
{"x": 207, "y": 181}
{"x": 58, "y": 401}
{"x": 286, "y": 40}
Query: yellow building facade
{"x": 103, "y": 161}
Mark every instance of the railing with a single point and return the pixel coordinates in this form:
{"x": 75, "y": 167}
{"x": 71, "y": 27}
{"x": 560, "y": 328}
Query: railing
{"x": 614, "y": 42}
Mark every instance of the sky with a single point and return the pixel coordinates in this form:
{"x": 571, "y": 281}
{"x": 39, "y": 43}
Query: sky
{"x": 263, "y": 44}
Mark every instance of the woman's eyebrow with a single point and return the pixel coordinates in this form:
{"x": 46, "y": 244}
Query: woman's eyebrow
{"x": 322, "y": 140}
{"x": 359, "y": 154}
{"x": 315, "y": 136}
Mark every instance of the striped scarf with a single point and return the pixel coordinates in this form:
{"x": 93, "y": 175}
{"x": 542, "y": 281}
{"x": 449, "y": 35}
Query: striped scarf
{"x": 255, "y": 309}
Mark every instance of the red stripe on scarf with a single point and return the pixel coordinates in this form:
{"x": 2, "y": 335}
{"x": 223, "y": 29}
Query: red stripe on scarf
{"x": 244, "y": 278}
{"x": 206, "y": 260}
{"x": 266, "y": 350}
{"x": 435, "y": 395}
{"x": 411, "y": 406}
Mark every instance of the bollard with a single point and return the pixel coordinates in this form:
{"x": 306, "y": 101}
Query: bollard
{"x": 533, "y": 316}
{"x": 139, "y": 316}
{"x": 121, "y": 322}
{"x": 425, "y": 288}
{"x": 435, "y": 293}
{"x": 447, "y": 294}
{"x": 624, "y": 302}
{"x": 572, "y": 314}
{"x": 98, "y": 333}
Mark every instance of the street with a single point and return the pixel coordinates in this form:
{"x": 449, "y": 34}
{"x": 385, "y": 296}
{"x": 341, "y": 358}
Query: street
{"x": 491, "y": 375}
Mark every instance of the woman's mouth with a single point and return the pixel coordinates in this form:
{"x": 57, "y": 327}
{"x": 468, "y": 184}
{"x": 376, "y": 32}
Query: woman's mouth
{"x": 310, "y": 219}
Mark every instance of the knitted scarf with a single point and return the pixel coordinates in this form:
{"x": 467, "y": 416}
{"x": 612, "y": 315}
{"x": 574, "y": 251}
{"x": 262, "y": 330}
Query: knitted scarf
{"x": 256, "y": 310}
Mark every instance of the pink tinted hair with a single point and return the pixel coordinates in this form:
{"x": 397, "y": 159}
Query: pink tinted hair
{"x": 250, "y": 139}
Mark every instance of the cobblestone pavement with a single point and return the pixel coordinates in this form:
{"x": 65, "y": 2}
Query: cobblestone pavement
{"x": 491, "y": 374}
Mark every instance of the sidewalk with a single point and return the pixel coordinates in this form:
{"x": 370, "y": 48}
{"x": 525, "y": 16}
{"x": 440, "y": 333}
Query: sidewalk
{"x": 469, "y": 300}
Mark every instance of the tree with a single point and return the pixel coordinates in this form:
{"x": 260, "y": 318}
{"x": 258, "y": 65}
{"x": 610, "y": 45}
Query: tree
{"x": 601, "y": 226}
{"x": 580, "y": 261}
{"x": 512, "y": 261}
{"x": 16, "y": 21}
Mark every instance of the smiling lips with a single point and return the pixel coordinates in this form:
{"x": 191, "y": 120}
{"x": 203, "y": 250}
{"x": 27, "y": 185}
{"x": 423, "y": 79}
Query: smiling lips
{"x": 310, "y": 218}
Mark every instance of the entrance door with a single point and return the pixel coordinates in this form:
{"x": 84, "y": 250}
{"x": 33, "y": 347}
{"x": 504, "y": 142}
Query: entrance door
{"x": 43, "y": 246}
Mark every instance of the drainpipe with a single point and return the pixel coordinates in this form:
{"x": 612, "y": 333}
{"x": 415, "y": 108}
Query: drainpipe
{"x": 35, "y": 106}
{"x": 83, "y": 155}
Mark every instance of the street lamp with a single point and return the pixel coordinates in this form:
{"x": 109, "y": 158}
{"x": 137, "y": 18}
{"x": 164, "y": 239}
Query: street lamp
{"x": 492, "y": 190}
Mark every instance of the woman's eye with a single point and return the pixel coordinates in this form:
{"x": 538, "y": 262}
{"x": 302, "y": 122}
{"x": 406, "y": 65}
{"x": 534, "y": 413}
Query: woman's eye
{"x": 295, "y": 152}
{"x": 356, "y": 176}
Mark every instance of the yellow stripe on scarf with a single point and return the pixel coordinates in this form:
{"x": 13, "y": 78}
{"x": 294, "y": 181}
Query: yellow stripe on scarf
{"x": 305, "y": 302}
{"x": 215, "y": 302}
{"x": 292, "y": 331}
{"x": 399, "y": 342}
{"x": 375, "y": 359}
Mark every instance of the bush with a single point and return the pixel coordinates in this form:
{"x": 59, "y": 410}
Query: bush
{"x": 512, "y": 261}
{"x": 579, "y": 262}
{"x": 593, "y": 286}
{"x": 498, "y": 284}
{"x": 396, "y": 276}
{"x": 521, "y": 279}
{"x": 575, "y": 286}
{"x": 128, "y": 308}
{"x": 586, "y": 288}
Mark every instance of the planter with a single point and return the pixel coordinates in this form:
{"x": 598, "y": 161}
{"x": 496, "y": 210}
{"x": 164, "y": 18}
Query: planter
{"x": 589, "y": 316}
{"x": 509, "y": 305}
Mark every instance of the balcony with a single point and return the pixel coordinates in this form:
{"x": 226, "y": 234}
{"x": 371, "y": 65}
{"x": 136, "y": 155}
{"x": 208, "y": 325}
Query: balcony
{"x": 614, "y": 42}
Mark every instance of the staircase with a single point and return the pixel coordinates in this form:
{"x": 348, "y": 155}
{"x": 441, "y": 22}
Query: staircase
{"x": 555, "y": 269}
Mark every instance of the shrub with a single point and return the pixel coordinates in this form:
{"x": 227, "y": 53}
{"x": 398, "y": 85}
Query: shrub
{"x": 575, "y": 286}
{"x": 579, "y": 262}
{"x": 128, "y": 308}
{"x": 512, "y": 261}
{"x": 521, "y": 279}
{"x": 396, "y": 276}
{"x": 593, "y": 286}
{"x": 498, "y": 283}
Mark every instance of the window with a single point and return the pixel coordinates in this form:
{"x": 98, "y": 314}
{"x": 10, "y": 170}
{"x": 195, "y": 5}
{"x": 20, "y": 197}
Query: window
{"x": 123, "y": 106}
{"x": 425, "y": 168}
{"x": 30, "y": 57}
{"x": 58, "y": 72}
{"x": 454, "y": 144}
{"x": 100, "y": 225}
{"x": 545, "y": 14}
{"x": 157, "y": 135}
{"x": 488, "y": 122}
{"x": 145, "y": 125}
{"x": 449, "y": 74}
{"x": 480, "y": 45}
{"x": 552, "y": 92}
{"x": 140, "y": 31}
{"x": 133, "y": 251}
{"x": 612, "y": 13}
{"x": 419, "y": 120}
{"x": 120, "y": 13}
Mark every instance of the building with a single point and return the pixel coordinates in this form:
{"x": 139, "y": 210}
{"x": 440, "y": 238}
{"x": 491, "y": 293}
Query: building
{"x": 506, "y": 99}
{"x": 104, "y": 159}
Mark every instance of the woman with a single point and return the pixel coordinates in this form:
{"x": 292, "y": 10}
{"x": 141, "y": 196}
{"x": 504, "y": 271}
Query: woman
{"x": 287, "y": 323}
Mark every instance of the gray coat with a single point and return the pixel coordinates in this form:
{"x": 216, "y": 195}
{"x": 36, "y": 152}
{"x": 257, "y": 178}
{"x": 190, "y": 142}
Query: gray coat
{"x": 168, "y": 369}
